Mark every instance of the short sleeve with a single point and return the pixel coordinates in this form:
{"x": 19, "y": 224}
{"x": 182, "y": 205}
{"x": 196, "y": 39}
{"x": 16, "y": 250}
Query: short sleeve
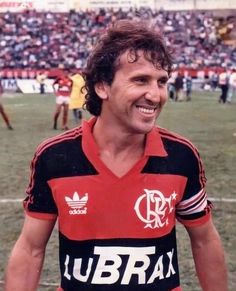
{"x": 39, "y": 202}
{"x": 194, "y": 208}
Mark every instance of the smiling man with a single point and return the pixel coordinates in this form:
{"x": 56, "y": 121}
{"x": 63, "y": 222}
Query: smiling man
{"x": 118, "y": 183}
{"x": 134, "y": 99}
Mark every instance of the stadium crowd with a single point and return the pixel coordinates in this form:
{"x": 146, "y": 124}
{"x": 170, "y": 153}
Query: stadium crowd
{"x": 49, "y": 40}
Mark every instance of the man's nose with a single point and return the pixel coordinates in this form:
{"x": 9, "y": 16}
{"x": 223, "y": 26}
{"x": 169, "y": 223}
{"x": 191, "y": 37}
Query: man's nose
{"x": 153, "y": 94}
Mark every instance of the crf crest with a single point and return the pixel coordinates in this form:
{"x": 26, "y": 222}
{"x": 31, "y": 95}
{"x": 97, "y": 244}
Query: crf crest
{"x": 153, "y": 208}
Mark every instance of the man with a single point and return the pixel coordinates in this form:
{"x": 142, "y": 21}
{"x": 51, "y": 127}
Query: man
{"x": 179, "y": 86}
{"x": 214, "y": 80}
{"x": 62, "y": 88}
{"x": 188, "y": 86}
{"x": 117, "y": 183}
{"x": 232, "y": 86}
{"x": 41, "y": 78}
{"x": 224, "y": 85}
{"x": 171, "y": 86}
{"x": 2, "y": 111}
{"x": 77, "y": 96}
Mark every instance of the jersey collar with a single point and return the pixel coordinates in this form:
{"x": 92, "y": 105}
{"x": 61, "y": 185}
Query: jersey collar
{"x": 154, "y": 145}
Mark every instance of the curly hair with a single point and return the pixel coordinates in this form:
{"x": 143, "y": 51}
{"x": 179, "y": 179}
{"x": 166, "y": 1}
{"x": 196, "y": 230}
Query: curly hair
{"x": 122, "y": 36}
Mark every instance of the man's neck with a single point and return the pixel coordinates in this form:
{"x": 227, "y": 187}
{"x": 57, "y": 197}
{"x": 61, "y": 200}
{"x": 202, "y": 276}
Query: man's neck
{"x": 118, "y": 151}
{"x": 107, "y": 138}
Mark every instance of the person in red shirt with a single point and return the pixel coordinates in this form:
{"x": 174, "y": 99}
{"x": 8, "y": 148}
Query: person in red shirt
{"x": 2, "y": 111}
{"x": 62, "y": 89}
{"x": 118, "y": 183}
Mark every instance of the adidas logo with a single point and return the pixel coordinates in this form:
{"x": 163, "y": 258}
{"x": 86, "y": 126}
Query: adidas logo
{"x": 77, "y": 204}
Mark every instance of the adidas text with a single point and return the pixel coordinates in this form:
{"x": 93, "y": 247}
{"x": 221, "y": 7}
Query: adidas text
{"x": 78, "y": 211}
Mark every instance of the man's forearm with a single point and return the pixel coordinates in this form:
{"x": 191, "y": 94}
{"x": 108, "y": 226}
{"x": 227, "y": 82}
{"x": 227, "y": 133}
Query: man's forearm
{"x": 210, "y": 266}
{"x": 23, "y": 270}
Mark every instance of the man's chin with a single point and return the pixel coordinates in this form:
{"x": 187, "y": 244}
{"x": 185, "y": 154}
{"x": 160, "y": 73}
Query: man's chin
{"x": 144, "y": 128}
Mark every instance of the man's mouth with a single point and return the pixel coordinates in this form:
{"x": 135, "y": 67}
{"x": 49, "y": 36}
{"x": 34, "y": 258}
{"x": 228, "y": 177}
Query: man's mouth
{"x": 146, "y": 110}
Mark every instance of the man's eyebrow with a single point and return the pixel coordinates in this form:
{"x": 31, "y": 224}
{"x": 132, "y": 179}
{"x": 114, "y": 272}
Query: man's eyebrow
{"x": 140, "y": 75}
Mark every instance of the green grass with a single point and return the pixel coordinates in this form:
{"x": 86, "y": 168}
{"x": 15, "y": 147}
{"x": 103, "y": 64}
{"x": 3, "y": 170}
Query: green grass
{"x": 208, "y": 124}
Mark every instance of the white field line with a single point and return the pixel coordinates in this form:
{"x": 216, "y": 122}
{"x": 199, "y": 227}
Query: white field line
{"x": 226, "y": 200}
{"x": 11, "y": 200}
{"x": 42, "y": 284}
{"x": 213, "y": 199}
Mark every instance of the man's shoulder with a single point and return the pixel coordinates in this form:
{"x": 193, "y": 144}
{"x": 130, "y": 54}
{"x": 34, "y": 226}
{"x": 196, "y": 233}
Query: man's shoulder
{"x": 164, "y": 132}
{"x": 173, "y": 137}
{"x": 63, "y": 140}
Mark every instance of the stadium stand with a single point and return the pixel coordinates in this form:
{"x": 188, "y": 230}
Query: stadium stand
{"x": 44, "y": 40}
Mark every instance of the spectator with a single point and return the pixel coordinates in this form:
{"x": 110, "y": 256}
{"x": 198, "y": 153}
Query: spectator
{"x": 44, "y": 40}
{"x": 188, "y": 87}
{"x": 232, "y": 86}
{"x": 171, "y": 86}
{"x": 179, "y": 86}
{"x": 214, "y": 79}
{"x": 41, "y": 77}
{"x": 224, "y": 85}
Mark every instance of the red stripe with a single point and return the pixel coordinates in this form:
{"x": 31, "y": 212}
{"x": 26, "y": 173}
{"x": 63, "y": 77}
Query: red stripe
{"x": 172, "y": 136}
{"x": 195, "y": 222}
{"x": 71, "y": 134}
{"x": 45, "y": 216}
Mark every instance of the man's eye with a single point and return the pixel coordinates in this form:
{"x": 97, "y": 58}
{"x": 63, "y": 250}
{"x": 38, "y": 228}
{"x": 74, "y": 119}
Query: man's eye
{"x": 141, "y": 80}
{"x": 162, "y": 82}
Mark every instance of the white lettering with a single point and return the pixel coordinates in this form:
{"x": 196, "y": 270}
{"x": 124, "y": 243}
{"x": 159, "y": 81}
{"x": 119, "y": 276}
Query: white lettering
{"x": 107, "y": 254}
{"x": 137, "y": 255}
{"x": 158, "y": 271}
{"x": 77, "y": 267}
{"x": 78, "y": 211}
{"x": 171, "y": 269}
{"x": 66, "y": 273}
{"x": 110, "y": 260}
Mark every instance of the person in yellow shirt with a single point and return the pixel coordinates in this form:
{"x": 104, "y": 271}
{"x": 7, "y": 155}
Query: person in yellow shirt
{"x": 77, "y": 97}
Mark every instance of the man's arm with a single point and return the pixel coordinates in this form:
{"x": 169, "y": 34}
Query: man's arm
{"x": 209, "y": 257}
{"x": 55, "y": 85}
{"x": 26, "y": 260}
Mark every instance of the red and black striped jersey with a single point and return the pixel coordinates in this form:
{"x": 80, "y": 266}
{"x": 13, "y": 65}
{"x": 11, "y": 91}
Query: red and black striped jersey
{"x": 62, "y": 86}
{"x": 117, "y": 233}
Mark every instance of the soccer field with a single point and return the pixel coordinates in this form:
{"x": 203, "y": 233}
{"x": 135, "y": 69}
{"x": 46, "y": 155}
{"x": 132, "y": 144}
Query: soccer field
{"x": 210, "y": 126}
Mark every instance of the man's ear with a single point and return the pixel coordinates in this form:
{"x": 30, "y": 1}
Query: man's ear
{"x": 101, "y": 89}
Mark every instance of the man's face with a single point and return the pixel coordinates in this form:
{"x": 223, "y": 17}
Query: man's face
{"x": 136, "y": 96}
